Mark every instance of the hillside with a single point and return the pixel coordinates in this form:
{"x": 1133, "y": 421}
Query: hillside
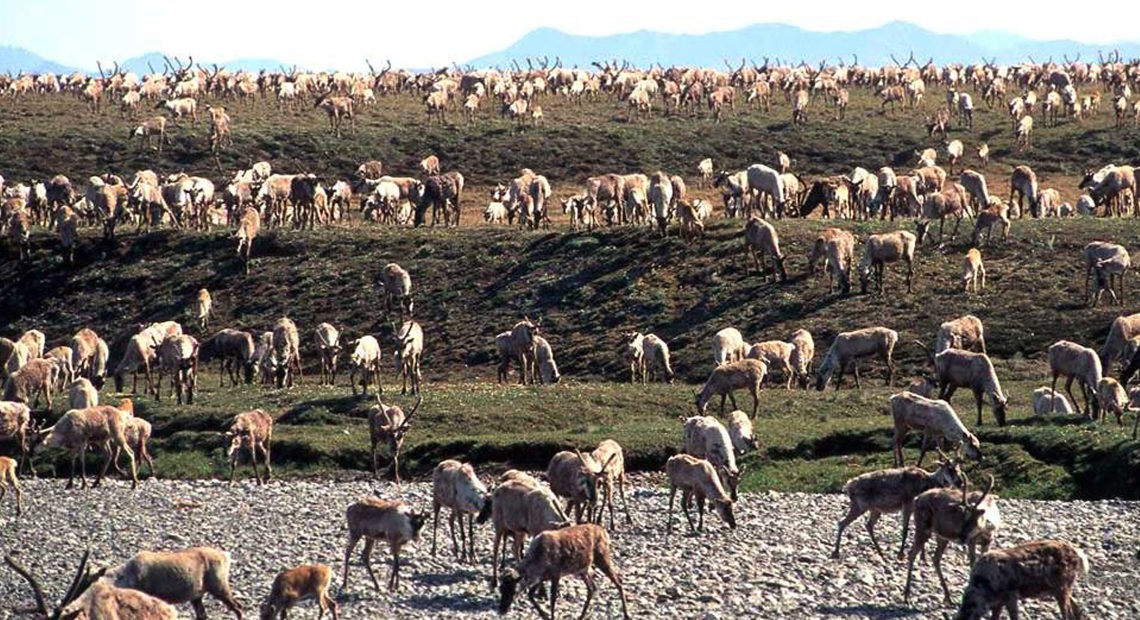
{"x": 575, "y": 141}
{"x": 587, "y": 288}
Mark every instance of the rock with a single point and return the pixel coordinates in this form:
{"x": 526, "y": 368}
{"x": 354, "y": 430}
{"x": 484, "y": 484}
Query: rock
{"x": 865, "y": 576}
{"x": 769, "y": 567}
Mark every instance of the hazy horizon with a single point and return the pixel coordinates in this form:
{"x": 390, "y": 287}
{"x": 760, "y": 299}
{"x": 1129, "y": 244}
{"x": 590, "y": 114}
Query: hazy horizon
{"x": 458, "y": 33}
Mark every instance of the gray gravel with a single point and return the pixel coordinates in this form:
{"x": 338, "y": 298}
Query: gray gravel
{"x": 775, "y": 565}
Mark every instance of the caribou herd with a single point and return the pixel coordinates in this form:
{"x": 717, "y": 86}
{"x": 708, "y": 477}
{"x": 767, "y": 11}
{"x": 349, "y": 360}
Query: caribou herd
{"x": 1072, "y": 90}
{"x": 258, "y": 197}
{"x": 300, "y": 199}
{"x": 567, "y": 539}
{"x": 562, "y": 510}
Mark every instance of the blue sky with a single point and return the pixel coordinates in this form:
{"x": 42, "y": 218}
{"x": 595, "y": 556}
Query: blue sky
{"x": 340, "y": 34}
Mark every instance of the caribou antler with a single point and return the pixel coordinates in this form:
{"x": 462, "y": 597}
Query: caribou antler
{"x": 37, "y": 589}
{"x": 408, "y": 418}
{"x": 82, "y": 580}
{"x": 79, "y": 584}
{"x": 928, "y": 352}
{"x": 181, "y": 71}
{"x": 986, "y": 494}
{"x": 966, "y": 493}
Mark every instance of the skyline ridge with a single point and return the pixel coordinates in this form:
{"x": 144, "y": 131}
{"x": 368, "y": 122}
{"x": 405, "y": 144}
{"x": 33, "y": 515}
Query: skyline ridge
{"x": 645, "y": 47}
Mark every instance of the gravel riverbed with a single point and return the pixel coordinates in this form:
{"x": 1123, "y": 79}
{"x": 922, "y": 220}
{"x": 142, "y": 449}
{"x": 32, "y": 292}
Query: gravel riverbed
{"x": 776, "y": 564}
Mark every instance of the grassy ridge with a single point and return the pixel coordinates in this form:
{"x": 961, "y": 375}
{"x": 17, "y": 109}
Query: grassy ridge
{"x": 45, "y": 135}
{"x": 809, "y": 441}
{"x": 588, "y": 288}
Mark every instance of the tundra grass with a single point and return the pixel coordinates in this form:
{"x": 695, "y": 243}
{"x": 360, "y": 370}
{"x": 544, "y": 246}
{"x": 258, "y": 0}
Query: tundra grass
{"x": 809, "y": 441}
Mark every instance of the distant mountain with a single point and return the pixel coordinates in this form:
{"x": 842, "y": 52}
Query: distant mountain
{"x": 997, "y": 40}
{"x": 873, "y": 47}
{"x": 14, "y": 60}
{"x": 142, "y": 64}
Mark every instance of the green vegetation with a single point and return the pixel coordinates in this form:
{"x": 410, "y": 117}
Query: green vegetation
{"x": 810, "y": 442}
